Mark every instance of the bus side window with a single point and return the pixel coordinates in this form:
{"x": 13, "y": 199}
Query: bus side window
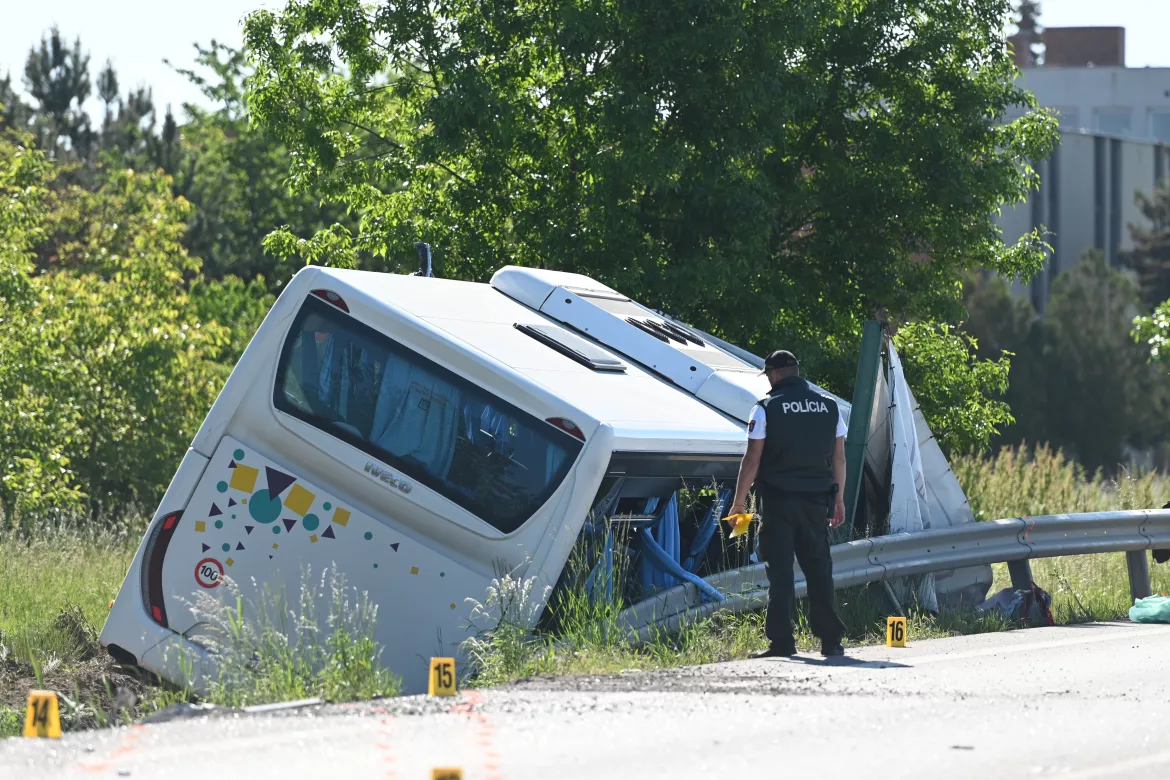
{"x": 490, "y": 457}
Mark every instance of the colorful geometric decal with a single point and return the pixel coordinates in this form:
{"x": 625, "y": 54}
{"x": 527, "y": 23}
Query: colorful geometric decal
{"x": 244, "y": 478}
{"x": 299, "y": 500}
{"x": 265, "y": 525}
{"x": 264, "y": 507}
{"x": 277, "y": 480}
{"x": 301, "y": 506}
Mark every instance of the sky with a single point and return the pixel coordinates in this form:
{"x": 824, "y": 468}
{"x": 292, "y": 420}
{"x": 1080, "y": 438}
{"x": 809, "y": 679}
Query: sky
{"x": 137, "y": 35}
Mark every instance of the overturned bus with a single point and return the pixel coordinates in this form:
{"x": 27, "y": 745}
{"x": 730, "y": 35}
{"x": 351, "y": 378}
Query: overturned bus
{"x": 419, "y": 435}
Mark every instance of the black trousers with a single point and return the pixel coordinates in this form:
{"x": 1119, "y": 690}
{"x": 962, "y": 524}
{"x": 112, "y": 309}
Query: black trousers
{"x": 797, "y": 523}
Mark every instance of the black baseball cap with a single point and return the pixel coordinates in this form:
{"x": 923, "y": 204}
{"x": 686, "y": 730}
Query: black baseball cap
{"x": 781, "y": 358}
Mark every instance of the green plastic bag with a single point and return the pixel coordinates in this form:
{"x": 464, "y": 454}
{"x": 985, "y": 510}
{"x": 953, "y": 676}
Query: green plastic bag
{"x": 1152, "y": 609}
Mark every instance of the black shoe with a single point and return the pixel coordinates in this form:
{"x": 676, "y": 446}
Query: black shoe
{"x": 776, "y": 652}
{"x": 830, "y": 649}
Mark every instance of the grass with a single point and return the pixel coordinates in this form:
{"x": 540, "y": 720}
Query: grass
{"x": 1014, "y": 482}
{"x": 588, "y": 638}
{"x": 1019, "y": 481}
{"x": 57, "y": 570}
{"x": 55, "y": 591}
{"x": 56, "y": 585}
{"x": 1022, "y": 481}
{"x": 275, "y": 650}
{"x": 506, "y": 654}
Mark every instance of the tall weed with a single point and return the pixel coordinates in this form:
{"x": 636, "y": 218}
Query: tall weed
{"x": 1023, "y": 480}
{"x": 274, "y": 650}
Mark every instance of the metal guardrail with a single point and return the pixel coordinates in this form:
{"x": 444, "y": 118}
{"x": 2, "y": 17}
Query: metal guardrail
{"x": 1015, "y": 541}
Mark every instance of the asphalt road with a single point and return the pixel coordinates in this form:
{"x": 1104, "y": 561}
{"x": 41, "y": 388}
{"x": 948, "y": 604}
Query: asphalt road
{"x": 1074, "y": 703}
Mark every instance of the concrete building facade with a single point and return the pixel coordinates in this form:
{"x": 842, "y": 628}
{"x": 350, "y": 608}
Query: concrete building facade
{"x": 1114, "y": 122}
{"x": 1086, "y": 200}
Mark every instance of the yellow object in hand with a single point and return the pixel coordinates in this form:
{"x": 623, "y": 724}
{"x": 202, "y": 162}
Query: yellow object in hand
{"x": 741, "y": 521}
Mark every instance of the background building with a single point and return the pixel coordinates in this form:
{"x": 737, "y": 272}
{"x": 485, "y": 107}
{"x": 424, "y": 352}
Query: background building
{"x": 1086, "y": 200}
{"x": 1114, "y": 121}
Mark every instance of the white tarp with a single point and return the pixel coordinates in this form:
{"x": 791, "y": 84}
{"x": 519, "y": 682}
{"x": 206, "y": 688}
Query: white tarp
{"x": 909, "y": 503}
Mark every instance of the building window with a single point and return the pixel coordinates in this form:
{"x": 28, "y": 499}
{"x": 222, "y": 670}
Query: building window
{"x": 1114, "y": 121}
{"x": 1160, "y": 125}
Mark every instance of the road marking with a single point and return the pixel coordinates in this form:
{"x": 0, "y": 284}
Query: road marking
{"x": 483, "y": 731}
{"x": 386, "y": 732}
{"x": 126, "y": 743}
{"x": 1029, "y": 647}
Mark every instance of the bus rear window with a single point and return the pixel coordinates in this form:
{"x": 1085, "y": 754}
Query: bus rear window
{"x": 357, "y": 384}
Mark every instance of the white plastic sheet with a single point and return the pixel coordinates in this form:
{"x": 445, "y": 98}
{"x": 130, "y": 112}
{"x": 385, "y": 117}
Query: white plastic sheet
{"x": 909, "y": 503}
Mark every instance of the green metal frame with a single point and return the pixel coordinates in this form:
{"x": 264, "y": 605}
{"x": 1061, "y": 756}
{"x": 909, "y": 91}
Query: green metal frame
{"x": 864, "y": 386}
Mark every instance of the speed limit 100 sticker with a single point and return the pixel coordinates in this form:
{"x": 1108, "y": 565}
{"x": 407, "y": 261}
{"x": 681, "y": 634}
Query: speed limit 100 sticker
{"x": 208, "y": 572}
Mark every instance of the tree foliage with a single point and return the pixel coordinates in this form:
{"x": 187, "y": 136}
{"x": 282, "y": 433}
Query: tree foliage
{"x": 235, "y": 175}
{"x": 57, "y": 77}
{"x": 772, "y": 172}
{"x": 1154, "y": 332}
{"x": 1077, "y": 379}
{"x": 104, "y": 370}
{"x": 1150, "y": 256}
{"x": 960, "y": 394}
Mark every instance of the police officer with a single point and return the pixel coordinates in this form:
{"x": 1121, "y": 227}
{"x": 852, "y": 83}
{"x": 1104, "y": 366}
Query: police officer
{"x": 796, "y": 458}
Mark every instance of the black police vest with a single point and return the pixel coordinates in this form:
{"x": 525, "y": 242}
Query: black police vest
{"x": 799, "y": 439}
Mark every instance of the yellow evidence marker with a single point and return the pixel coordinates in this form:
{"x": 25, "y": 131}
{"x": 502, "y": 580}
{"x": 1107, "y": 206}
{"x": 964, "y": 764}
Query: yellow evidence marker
{"x": 42, "y": 718}
{"x": 446, "y": 774}
{"x": 442, "y": 679}
{"x": 742, "y": 521}
{"x": 896, "y": 632}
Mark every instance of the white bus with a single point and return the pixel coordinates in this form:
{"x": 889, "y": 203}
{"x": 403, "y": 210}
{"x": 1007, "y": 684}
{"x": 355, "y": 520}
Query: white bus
{"x": 420, "y": 435}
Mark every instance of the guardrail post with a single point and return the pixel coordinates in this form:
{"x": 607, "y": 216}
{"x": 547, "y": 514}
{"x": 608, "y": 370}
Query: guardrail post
{"x": 1138, "y": 564}
{"x": 1021, "y": 573}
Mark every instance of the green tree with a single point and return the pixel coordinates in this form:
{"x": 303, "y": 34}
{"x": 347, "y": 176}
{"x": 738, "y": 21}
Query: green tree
{"x": 57, "y": 78}
{"x": 13, "y": 112}
{"x": 235, "y": 304}
{"x": 1154, "y": 332}
{"x": 1003, "y": 323}
{"x": 960, "y": 394}
{"x": 1028, "y": 22}
{"x": 773, "y": 172}
{"x": 1150, "y": 256}
{"x": 1107, "y": 395}
{"x": 33, "y": 461}
{"x": 105, "y": 392}
{"x": 235, "y": 174}
{"x": 1077, "y": 381}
